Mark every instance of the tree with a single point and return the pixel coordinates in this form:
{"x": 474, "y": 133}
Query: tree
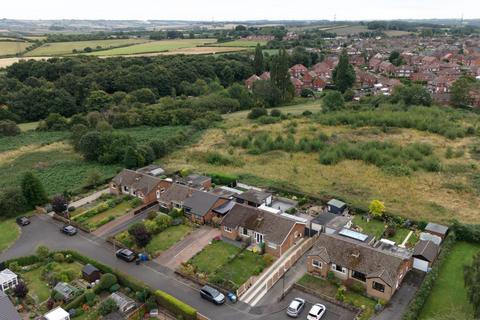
{"x": 460, "y": 91}
{"x": 332, "y": 101}
{"x": 414, "y": 94}
{"x": 396, "y": 59}
{"x": 94, "y": 178}
{"x": 9, "y": 128}
{"x": 59, "y": 204}
{"x": 107, "y": 306}
{"x": 107, "y": 281}
{"x": 280, "y": 76}
{"x": 33, "y": 190}
{"x": 257, "y": 113}
{"x": 343, "y": 75}
{"x": 98, "y": 100}
{"x": 376, "y": 208}
{"x": 20, "y": 290}
{"x": 266, "y": 93}
{"x": 43, "y": 252}
{"x": 471, "y": 275}
{"x": 132, "y": 158}
{"x": 140, "y": 234}
{"x": 258, "y": 62}
{"x": 12, "y": 201}
{"x": 91, "y": 145}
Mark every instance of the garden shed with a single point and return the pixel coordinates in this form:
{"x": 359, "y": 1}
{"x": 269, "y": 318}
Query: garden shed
{"x": 424, "y": 254}
{"x": 124, "y": 303}
{"x": 90, "y": 273}
{"x": 336, "y": 206}
{"x": 57, "y": 314}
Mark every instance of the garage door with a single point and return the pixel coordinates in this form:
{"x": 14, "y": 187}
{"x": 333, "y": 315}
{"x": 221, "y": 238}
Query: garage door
{"x": 420, "y": 264}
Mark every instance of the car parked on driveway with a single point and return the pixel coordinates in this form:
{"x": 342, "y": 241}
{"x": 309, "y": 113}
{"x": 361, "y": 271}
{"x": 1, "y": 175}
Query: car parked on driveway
{"x": 126, "y": 255}
{"x": 295, "y": 307}
{"x": 212, "y": 295}
{"x": 70, "y": 230}
{"x": 316, "y": 312}
{"x": 23, "y": 221}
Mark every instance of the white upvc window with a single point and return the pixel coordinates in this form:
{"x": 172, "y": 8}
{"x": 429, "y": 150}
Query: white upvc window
{"x": 339, "y": 268}
{"x": 317, "y": 264}
{"x": 227, "y": 229}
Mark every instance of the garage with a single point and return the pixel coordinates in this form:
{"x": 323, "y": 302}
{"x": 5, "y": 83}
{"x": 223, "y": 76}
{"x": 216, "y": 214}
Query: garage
{"x": 420, "y": 264}
{"x": 424, "y": 254}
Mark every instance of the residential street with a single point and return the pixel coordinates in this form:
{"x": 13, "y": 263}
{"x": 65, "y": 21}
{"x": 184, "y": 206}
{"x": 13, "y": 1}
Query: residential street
{"x": 44, "y": 230}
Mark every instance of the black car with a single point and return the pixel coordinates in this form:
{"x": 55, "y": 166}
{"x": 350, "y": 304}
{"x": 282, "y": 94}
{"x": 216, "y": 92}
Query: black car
{"x": 126, "y": 255}
{"x": 212, "y": 294}
{"x": 70, "y": 230}
{"x": 23, "y": 221}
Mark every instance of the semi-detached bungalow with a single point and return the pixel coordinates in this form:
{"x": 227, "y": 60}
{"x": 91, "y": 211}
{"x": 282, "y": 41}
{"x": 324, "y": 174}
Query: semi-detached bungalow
{"x": 247, "y": 223}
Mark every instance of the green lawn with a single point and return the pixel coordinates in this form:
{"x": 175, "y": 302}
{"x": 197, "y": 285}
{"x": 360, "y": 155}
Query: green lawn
{"x": 154, "y": 46}
{"x": 373, "y": 227}
{"x": 36, "y": 286}
{"x": 27, "y": 126}
{"x": 66, "y": 48}
{"x": 213, "y": 256}
{"x": 400, "y": 235}
{"x": 240, "y": 43}
{"x": 449, "y": 294}
{"x": 104, "y": 217}
{"x": 167, "y": 238}
{"x": 243, "y": 267}
{"x": 9, "y": 233}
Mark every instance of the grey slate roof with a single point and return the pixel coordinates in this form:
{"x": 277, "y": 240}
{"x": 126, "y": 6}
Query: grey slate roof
{"x": 336, "y": 203}
{"x": 7, "y": 309}
{"x": 194, "y": 180}
{"x": 200, "y": 202}
{"x": 176, "y": 192}
{"x": 358, "y": 256}
{"x": 254, "y": 196}
{"x": 89, "y": 269}
{"x": 426, "y": 250}
{"x": 136, "y": 180}
{"x": 275, "y": 228}
{"x": 437, "y": 228}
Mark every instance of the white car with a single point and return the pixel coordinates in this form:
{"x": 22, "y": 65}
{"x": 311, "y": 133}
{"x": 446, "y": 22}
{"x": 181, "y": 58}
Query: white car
{"x": 316, "y": 312}
{"x": 295, "y": 307}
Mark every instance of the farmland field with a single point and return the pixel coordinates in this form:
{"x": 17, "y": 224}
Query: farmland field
{"x": 66, "y": 48}
{"x": 12, "y": 47}
{"x": 437, "y": 196}
{"x": 240, "y": 43}
{"x": 154, "y": 46}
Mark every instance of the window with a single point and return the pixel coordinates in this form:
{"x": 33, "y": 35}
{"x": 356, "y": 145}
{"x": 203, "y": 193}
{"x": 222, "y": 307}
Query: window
{"x": 114, "y": 186}
{"x": 244, "y": 231}
{"x": 227, "y": 229}
{"x": 378, "y": 286}
{"x": 316, "y": 264}
{"x": 359, "y": 276}
{"x": 338, "y": 268}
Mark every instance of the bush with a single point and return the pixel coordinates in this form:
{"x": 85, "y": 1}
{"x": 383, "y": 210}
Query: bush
{"x": 9, "y": 128}
{"x": 43, "y": 252}
{"x": 175, "y": 306}
{"x": 256, "y": 113}
{"x": 223, "y": 179}
{"x": 58, "y": 257}
{"x": 106, "y": 307}
{"x": 107, "y": 281}
{"x": 114, "y": 288}
{"x": 275, "y": 113}
{"x": 340, "y": 295}
{"x": 20, "y": 290}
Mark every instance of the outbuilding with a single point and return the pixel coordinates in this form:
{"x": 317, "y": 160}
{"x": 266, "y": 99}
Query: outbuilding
{"x": 436, "y": 229}
{"x": 57, "y": 314}
{"x": 124, "y": 303}
{"x": 336, "y": 206}
{"x": 424, "y": 254}
{"x": 8, "y": 280}
{"x": 90, "y": 273}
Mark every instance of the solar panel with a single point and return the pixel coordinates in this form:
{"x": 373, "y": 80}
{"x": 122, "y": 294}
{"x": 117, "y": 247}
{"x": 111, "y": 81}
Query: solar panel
{"x": 353, "y": 234}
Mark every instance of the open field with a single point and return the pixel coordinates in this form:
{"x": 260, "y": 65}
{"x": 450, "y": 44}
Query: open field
{"x": 240, "y": 43}
{"x": 449, "y": 295}
{"x": 12, "y": 47}
{"x": 27, "y": 126}
{"x": 346, "y": 30}
{"x": 193, "y": 51}
{"x": 437, "y": 196}
{"x": 66, "y": 48}
{"x": 154, "y": 46}
{"x": 6, "y": 62}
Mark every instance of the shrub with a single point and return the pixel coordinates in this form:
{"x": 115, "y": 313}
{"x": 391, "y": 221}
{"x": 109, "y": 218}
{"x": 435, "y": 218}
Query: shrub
{"x": 106, "y": 307}
{"x": 20, "y": 290}
{"x": 135, "y": 202}
{"x": 175, "y": 306}
{"x": 43, "y": 252}
{"x": 107, "y": 281}
{"x": 114, "y": 288}
{"x": 307, "y": 113}
{"x": 256, "y": 113}
{"x": 223, "y": 179}
{"x": 340, "y": 295}
{"x": 9, "y": 128}
{"x": 267, "y": 259}
{"x": 275, "y": 113}
{"x": 90, "y": 298}
{"x": 58, "y": 257}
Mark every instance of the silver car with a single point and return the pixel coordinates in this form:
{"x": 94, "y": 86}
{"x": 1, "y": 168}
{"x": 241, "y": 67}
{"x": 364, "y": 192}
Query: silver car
{"x": 295, "y": 307}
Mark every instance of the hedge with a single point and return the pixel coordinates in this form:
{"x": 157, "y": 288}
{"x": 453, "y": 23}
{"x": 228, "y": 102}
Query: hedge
{"x": 223, "y": 179}
{"x": 24, "y": 261}
{"x": 466, "y": 232}
{"x": 76, "y": 303}
{"x": 416, "y": 305}
{"x": 175, "y": 306}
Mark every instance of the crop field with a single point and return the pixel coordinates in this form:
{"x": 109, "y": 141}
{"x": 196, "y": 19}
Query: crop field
{"x": 154, "y": 46}
{"x": 12, "y": 47}
{"x": 451, "y": 192}
{"x": 66, "y": 48}
{"x": 240, "y": 43}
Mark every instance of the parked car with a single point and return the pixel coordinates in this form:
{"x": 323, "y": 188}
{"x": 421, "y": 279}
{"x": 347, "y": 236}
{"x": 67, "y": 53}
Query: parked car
{"x": 212, "y": 294}
{"x": 316, "y": 312}
{"x": 126, "y": 255}
{"x": 295, "y": 307}
{"x": 70, "y": 230}
{"x": 23, "y": 221}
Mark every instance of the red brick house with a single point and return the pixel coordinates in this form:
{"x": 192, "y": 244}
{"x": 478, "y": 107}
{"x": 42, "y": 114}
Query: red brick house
{"x": 174, "y": 196}
{"x": 379, "y": 270}
{"x": 140, "y": 185}
{"x": 298, "y": 70}
{"x": 297, "y": 84}
{"x": 265, "y": 76}
{"x": 386, "y": 68}
{"x": 319, "y": 84}
{"x": 250, "y": 81}
{"x": 322, "y": 69}
{"x": 247, "y": 223}
{"x": 199, "y": 206}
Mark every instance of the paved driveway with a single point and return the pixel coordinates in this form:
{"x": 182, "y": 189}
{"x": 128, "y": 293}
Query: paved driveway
{"x": 278, "y": 311}
{"x": 188, "y": 247}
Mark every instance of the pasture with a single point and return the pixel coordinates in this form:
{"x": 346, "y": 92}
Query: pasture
{"x": 66, "y": 48}
{"x": 12, "y": 47}
{"x": 436, "y": 196}
{"x": 153, "y": 47}
{"x": 240, "y": 43}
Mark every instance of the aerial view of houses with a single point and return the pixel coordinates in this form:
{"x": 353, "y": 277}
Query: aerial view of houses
{"x": 267, "y": 160}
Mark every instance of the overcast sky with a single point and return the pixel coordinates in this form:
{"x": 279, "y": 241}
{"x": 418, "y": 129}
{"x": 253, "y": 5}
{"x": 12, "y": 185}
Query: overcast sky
{"x": 238, "y": 9}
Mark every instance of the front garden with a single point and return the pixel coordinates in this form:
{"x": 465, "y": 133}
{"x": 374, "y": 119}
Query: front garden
{"x": 226, "y": 265}
{"x": 107, "y": 209}
{"x": 354, "y": 294}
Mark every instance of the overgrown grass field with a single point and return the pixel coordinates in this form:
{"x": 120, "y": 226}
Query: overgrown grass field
{"x": 240, "y": 43}
{"x": 12, "y": 47}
